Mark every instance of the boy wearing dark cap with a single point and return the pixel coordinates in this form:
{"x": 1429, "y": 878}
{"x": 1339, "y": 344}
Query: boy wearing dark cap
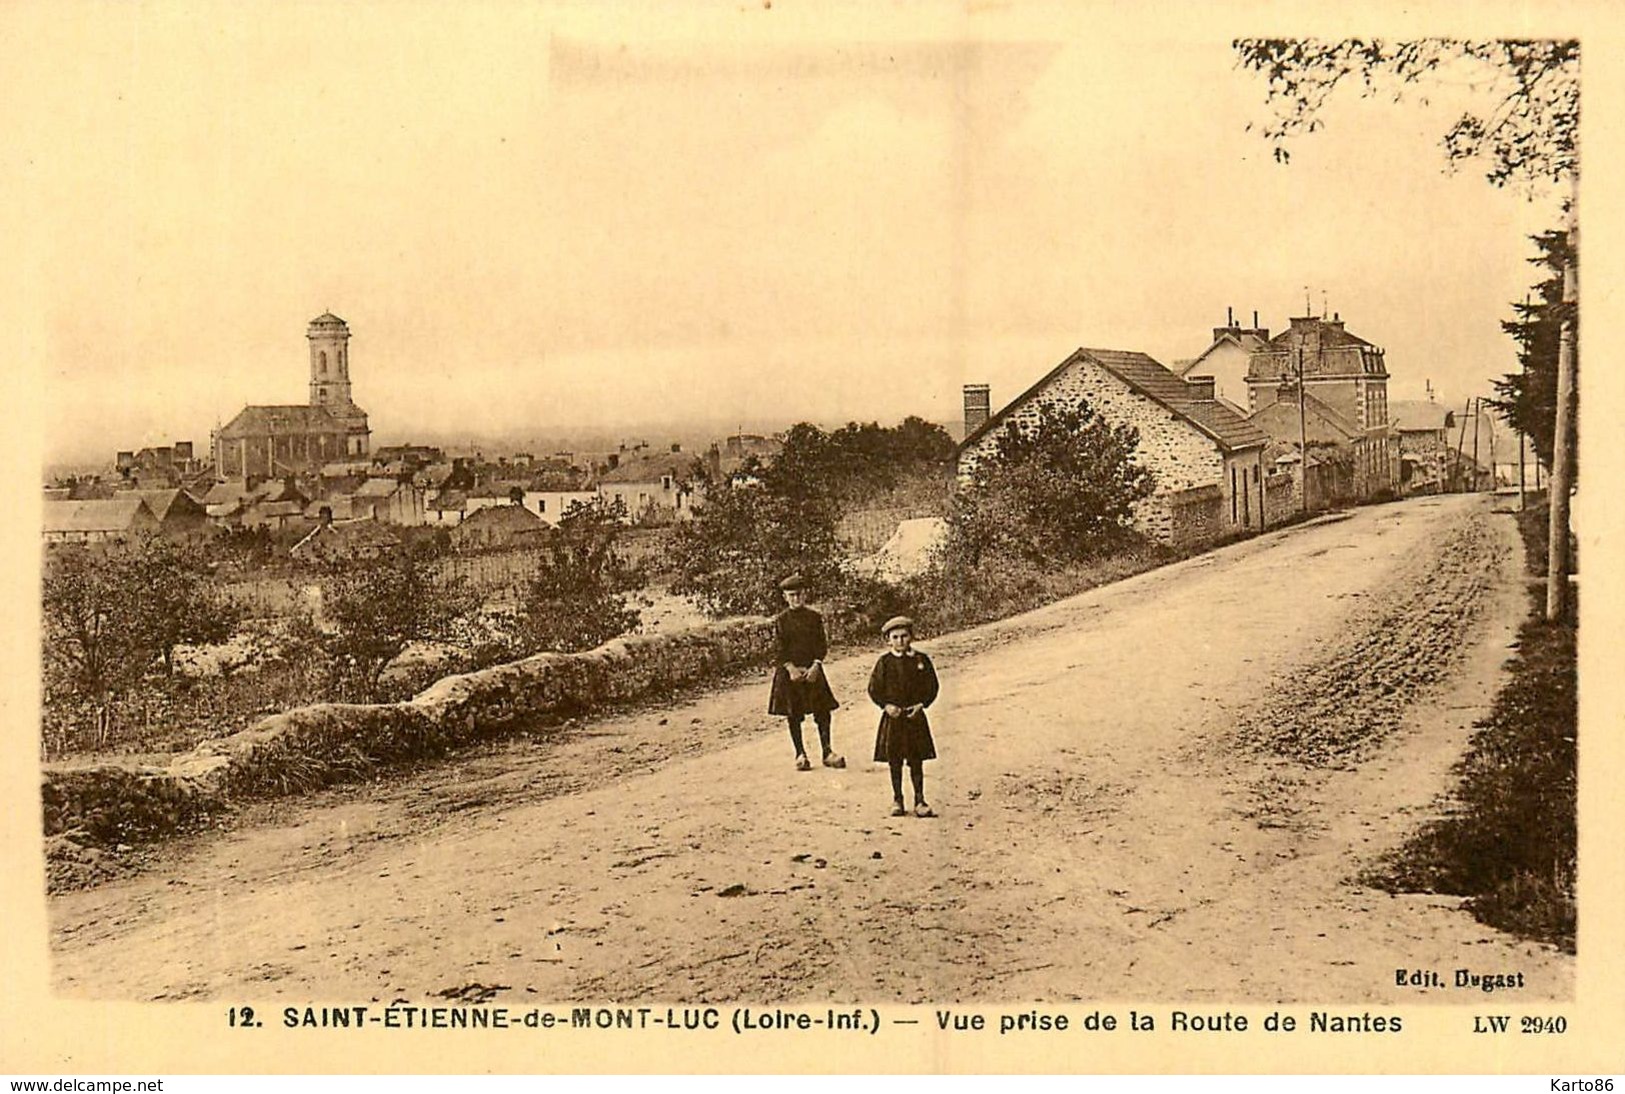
{"x": 799, "y": 685}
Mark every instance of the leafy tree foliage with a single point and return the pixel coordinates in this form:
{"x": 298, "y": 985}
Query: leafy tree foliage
{"x": 112, "y": 612}
{"x": 176, "y": 602}
{"x": 375, "y": 610}
{"x": 1529, "y": 397}
{"x": 1057, "y": 489}
{"x": 578, "y": 597}
{"x": 1525, "y": 129}
{"x": 744, "y": 539}
{"x": 94, "y": 645}
{"x": 779, "y": 516}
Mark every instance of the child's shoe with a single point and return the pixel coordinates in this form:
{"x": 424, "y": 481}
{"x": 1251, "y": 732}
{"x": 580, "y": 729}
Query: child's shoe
{"x": 898, "y": 809}
{"x": 803, "y": 764}
{"x": 832, "y": 760}
{"x": 921, "y": 809}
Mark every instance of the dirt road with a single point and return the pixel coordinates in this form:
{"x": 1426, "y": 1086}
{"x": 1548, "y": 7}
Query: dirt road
{"x": 1162, "y": 790}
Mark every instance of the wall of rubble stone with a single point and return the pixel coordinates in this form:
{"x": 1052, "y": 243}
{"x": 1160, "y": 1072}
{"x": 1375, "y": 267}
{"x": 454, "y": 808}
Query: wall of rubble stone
{"x": 326, "y": 743}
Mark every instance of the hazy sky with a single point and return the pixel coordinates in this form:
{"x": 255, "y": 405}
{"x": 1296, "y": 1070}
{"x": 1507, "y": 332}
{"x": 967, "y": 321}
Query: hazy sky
{"x": 536, "y": 219}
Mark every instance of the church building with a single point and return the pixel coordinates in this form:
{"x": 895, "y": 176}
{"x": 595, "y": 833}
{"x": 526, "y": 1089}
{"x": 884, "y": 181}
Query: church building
{"x": 274, "y": 441}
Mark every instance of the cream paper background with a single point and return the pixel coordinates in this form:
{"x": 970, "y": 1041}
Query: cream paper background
{"x": 44, "y": 1035}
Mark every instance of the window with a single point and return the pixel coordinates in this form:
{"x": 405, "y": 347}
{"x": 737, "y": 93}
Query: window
{"x": 323, "y": 356}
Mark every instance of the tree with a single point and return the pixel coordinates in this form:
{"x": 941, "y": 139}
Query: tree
{"x": 1526, "y": 130}
{"x": 376, "y": 608}
{"x": 1059, "y": 488}
{"x": 744, "y": 538}
{"x": 175, "y": 602}
{"x": 1528, "y": 398}
{"x": 112, "y": 611}
{"x": 95, "y": 646}
{"x": 578, "y": 597}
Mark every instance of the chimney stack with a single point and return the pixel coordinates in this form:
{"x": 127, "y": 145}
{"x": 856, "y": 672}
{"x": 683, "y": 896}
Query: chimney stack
{"x": 977, "y": 407}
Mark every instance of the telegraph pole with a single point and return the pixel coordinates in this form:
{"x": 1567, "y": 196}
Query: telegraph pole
{"x": 1523, "y": 389}
{"x": 1461, "y": 439}
{"x": 1478, "y": 410}
{"x": 1303, "y": 436}
{"x": 1557, "y": 527}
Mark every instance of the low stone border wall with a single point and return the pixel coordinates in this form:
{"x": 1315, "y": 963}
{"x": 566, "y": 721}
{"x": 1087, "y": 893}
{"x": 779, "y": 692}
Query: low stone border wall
{"x": 327, "y": 743}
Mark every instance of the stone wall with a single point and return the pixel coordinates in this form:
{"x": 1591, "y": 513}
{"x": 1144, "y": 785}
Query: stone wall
{"x": 301, "y": 749}
{"x": 1281, "y": 499}
{"x": 1195, "y": 516}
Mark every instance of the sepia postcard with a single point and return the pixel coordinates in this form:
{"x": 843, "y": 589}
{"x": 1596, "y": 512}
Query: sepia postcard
{"x": 769, "y": 537}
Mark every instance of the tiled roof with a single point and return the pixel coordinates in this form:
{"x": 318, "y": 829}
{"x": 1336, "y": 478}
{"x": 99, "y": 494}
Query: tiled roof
{"x": 513, "y": 518}
{"x": 1151, "y": 379}
{"x": 1419, "y": 414}
{"x": 378, "y": 488}
{"x": 1321, "y": 423}
{"x": 110, "y": 515}
{"x": 158, "y": 501}
{"x": 678, "y": 465}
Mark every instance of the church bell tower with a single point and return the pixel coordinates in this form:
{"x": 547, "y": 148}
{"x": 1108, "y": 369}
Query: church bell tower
{"x": 329, "y": 363}
{"x": 330, "y": 381}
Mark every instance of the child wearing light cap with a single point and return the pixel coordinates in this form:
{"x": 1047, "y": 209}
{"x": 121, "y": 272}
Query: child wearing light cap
{"x": 902, "y": 685}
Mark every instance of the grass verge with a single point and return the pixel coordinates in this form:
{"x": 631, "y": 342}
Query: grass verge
{"x": 1509, "y": 843}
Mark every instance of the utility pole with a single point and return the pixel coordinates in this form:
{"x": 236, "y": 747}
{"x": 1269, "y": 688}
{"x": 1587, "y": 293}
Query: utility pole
{"x": 1303, "y": 437}
{"x": 1523, "y": 388}
{"x": 1461, "y": 439}
{"x": 1478, "y": 410}
{"x": 1557, "y": 528}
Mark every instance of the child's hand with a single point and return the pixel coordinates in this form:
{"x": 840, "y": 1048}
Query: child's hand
{"x": 893, "y": 710}
{"x": 914, "y": 710}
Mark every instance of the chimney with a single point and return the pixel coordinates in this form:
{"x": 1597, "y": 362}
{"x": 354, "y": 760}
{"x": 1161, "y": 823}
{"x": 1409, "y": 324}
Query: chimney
{"x": 976, "y": 407}
{"x": 1200, "y": 388}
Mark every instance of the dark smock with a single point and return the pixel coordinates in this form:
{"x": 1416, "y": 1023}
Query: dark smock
{"x": 801, "y": 642}
{"x": 903, "y": 681}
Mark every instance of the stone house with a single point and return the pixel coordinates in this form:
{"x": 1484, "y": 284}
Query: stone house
{"x": 97, "y": 520}
{"x": 179, "y": 514}
{"x": 1424, "y": 447}
{"x": 1355, "y": 464}
{"x": 496, "y": 527}
{"x": 332, "y": 541}
{"x": 390, "y": 501}
{"x": 654, "y": 489}
{"x": 1207, "y": 459}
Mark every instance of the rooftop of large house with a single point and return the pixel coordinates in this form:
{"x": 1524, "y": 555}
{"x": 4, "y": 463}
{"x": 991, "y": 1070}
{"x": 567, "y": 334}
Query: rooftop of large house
{"x": 652, "y": 468}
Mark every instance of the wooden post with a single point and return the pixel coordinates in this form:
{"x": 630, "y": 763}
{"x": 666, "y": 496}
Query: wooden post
{"x": 1557, "y": 528}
